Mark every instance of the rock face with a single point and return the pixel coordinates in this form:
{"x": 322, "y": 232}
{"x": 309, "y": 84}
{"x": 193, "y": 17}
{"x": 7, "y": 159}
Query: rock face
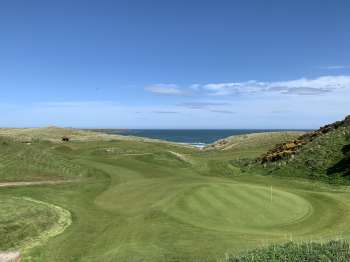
{"x": 10, "y": 257}
{"x": 288, "y": 149}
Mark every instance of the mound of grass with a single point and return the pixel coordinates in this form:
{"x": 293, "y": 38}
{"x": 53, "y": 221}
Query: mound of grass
{"x": 325, "y": 158}
{"x": 336, "y": 251}
{"x": 35, "y": 161}
{"x": 22, "y": 220}
{"x": 317, "y": 157}
{"x": 249, "y": 146}
{"x": 254, "y": 141}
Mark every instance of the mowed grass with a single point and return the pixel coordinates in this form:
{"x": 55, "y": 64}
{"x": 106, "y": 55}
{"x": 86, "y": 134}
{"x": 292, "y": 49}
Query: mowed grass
{"x": 138, "y": 201}
{"x": 239, "y": 208}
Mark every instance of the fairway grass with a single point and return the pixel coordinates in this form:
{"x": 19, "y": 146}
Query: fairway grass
{"x": 137, "y": 201}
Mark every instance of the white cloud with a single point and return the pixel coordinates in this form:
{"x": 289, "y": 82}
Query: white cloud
{"x": 165, "y": 112}
{"x": 234, "y": 87}
{"x": 284, "y": 112}
{"x": 222, "y": 111}
{"x": 303, "y": 86}
{"x": 334, "y": 67}
{"x": 76, "y": 104}
{"x": 202, "y": 105}
{"x": 164, "y": 89}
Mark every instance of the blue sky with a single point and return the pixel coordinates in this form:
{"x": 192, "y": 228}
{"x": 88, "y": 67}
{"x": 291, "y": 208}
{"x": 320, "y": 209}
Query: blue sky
{"x": 174, "y": 64}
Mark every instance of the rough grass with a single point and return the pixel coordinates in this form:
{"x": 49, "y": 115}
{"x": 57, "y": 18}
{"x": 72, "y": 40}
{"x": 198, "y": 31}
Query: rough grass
{"x": 25, "y": 222}
{"x": 337, "y": 251}
{"x": 138, "y": 201}
{"x": 254, "y": 141}
{"x": 37, "y": 161}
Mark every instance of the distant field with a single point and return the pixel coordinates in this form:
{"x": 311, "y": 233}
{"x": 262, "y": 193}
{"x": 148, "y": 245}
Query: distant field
{"x": 150, "y": 201}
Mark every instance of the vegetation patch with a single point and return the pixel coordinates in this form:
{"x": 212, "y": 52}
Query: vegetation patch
{"x": 336, "y": 251}
{"x": 25, "y": 222}
{"x": 319, "y": 155}
{"x": 326, "y": 158}
{"x": 290, "y": 148}
{"x": 36, "y": 161}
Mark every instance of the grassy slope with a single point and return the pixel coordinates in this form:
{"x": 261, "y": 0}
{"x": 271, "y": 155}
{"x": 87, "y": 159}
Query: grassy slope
{"x": 38, "y": 161}
{"x": 324, "y": 158}
{"x": 22, "y": 220}
{"x": 254, "y": 141}
{"x": 218, "y": 157}
{"x": 138, "y": 201}
{"x": 51, "y": 133}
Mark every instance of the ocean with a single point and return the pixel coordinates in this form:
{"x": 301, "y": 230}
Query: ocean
{"x": 198, "y": 137}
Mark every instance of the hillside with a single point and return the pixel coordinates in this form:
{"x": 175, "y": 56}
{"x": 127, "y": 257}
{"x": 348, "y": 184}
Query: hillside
{"x": 291, "y": 147}
{"x": 53, "y": 134}
{"x": 254, "y": 140}
{"x": 326, "y": 156}
{"x": 323, "y": 153}
{"x": 36, "y": 161}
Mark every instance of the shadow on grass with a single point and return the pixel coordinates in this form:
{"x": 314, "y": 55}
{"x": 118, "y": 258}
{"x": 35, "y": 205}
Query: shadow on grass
{"x": 343, "y": 166}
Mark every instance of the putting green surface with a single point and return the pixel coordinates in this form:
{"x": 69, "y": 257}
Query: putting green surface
{"x": 152, "y": 205}
{"x": 164, "y": 214}
{"x": 239, "y": 208}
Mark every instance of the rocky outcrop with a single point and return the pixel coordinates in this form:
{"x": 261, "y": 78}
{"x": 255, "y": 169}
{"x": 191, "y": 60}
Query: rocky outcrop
{"x": 289, "y": 149}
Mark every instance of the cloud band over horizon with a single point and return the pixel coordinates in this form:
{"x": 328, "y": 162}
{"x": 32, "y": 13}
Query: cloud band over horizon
{"x": 301, "y": 103}
{"x": 301, "y": 86}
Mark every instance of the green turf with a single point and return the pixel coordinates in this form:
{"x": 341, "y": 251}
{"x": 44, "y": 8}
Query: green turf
{"x": 148, "y": 201}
